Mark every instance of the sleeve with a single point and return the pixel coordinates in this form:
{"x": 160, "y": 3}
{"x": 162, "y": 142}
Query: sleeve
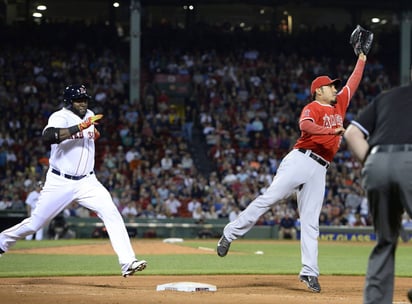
{"x": 307, "y": 114}
{"x": 56, "y": 120}
{"x": 312, "y": 128}
{"x": 355, "y": 78}
{"x": 347, "y": 92}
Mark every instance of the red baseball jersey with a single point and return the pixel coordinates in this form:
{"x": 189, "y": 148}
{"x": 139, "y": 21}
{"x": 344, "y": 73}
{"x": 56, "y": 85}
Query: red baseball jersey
{"x": 327, "y": 116}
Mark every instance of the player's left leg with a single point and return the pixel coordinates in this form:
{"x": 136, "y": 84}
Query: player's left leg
{"x": 310, "y": 200}
{"x": 94, "y": 196}
{"x": 288, "y": 177}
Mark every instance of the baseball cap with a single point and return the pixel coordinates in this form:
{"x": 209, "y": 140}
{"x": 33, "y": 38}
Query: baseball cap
{"x": 323, "y": 81}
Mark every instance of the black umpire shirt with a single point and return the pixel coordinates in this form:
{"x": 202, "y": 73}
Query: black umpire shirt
{"x": 388, "y": 118}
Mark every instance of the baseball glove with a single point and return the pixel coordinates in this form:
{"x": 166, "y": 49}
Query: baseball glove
{"x": 361, "y": 40}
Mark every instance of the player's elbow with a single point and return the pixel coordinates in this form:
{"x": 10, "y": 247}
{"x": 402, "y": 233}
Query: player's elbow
{"x": 51, "y": 136}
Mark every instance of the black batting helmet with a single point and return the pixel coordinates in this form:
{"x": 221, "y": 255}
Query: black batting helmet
{"x": 74, "y": 92}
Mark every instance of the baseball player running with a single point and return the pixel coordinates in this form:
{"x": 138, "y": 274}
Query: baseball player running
{"x": 71, "y": 132}
{"x": 303, "y": 170}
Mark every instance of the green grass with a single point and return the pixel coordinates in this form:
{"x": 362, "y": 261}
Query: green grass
{"x": 335, "y": 258}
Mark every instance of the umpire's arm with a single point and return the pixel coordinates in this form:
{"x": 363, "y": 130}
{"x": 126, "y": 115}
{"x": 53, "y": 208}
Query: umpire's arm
{"x": 357, "y": 142}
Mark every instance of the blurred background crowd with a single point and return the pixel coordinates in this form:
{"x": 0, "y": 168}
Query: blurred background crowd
{"x": 200, "y": 148}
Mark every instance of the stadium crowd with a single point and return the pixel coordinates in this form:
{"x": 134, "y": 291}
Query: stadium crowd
{"x": 243, "y": 104}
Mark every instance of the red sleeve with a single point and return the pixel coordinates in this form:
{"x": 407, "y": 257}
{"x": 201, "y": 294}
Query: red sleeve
{"x": 355, "y": 78}
{"x": 312, "y": 128}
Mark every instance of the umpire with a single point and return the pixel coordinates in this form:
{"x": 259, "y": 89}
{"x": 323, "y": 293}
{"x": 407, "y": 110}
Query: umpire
{"x": 381, "y": 139}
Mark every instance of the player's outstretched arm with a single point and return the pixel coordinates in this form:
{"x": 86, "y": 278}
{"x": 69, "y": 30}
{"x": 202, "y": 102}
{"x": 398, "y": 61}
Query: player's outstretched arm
{"x": 57, "y": 135}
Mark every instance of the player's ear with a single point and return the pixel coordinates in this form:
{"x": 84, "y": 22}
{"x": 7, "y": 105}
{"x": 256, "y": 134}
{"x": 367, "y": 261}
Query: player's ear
{"x": 316, "y": 93}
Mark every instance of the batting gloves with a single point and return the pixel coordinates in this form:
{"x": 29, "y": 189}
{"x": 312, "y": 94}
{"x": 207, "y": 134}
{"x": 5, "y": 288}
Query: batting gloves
{"x": 89, "y": 121}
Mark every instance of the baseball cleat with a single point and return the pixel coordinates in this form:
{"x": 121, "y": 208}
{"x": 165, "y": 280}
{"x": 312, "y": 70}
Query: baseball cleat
{"x": 1, "y": 252}
{"x": 311, "y": 282}
{"x": 133, "y": 267}
{"x": 222, "y": 246}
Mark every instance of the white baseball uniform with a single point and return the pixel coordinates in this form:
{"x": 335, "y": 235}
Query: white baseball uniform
{"x": 71, "y": 178}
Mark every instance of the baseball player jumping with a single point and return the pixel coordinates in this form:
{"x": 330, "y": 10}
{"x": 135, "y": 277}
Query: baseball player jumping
{"x": 303, "y": 170}
{"x": 71, "y": 132}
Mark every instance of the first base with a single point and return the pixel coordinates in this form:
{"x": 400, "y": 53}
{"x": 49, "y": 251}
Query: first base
{"x": 186, "y": 286}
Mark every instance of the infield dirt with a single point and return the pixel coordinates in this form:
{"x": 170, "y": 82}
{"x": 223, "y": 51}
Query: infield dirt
{"x": 285, "y": 289}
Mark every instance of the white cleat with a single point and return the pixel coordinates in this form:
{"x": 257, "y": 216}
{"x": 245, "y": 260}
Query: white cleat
{"x": 133, "y": 267}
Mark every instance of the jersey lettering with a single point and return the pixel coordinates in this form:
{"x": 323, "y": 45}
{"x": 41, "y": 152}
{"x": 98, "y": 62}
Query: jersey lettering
{"x": 330, "y": 121}
{"x": 78, "y": 135}
{"x": 90, "y": 135}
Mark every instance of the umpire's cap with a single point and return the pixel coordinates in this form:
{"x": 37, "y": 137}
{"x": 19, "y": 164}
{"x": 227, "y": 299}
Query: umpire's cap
{"x": 323, "y": 81}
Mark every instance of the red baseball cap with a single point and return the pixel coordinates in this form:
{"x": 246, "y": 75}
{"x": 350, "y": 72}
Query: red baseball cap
{"x": 323, "y": 81}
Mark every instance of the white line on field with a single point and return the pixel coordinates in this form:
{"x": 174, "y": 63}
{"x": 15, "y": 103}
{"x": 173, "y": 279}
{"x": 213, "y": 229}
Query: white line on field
{"x": 206, "y": 248}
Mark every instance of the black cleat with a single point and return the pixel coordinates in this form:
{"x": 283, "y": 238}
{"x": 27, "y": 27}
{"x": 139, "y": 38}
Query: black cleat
{"x": 410, "y": 295}
{"x": 222, "y": 246}
{"x": 311, "y": 282}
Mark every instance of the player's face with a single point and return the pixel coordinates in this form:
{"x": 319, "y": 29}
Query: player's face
{"x": 80, "y": 107}
{"x": 329, "y": 94}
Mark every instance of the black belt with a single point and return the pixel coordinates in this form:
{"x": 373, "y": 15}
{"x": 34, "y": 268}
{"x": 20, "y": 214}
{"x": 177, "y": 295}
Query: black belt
{"x": 391, "y": 148}
{"x": 69, "y": 176}
{"x": 319, "y": 159}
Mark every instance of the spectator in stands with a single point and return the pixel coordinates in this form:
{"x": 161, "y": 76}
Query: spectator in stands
{"x": 149, "y": 212}
{"x": 211, "y": 213}
{"x": 166, "y": 162}
{"x": 132, "y": 154}
{"x": 16, "y": 202}
{"x": 186, "y": 162}
{"x": 163, "y": 101}
{"x": 172, "y": 205}
{"x": 323, "y": 219}
{"x": 233, "y": 214}
{"x": 406, "y": 220}
{"x": 130, "y": 211}
{"x": 229, "y": 177}
{"x": 287, "y": 229}
{"x": 162, "y": 190}
{"x": 198, "y": 214}
{"x": 223, "y": 212}
{"x": 31, "y": 202}
{"x": 193, "y": 204}
{"x": 359, "y": 221}
{"x": 188, "y": 121}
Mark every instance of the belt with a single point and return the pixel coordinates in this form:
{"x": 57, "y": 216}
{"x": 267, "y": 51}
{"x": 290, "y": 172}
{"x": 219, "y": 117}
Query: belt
{"x": 72, "y": 177}
{"x": 391, "y": 148}
{"x": 319, "y": 159}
